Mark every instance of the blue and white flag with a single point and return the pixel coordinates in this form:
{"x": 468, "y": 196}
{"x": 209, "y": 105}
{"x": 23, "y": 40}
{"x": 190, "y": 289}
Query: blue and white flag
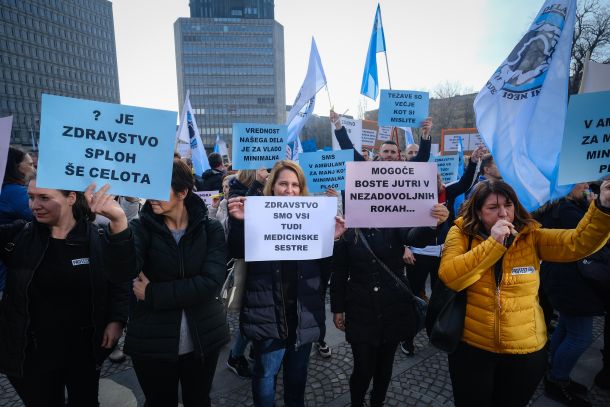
{"x": 521, "y": 110}
{"x": 460, "y": 170}
{"x": 220, "y": 147}
{"x": 408, "y": 135}
{"x": 314, "y": 81}
{"x": 188, "y": 131}
{"x": 295, "y": 127}
{"x": 370, "y": 79}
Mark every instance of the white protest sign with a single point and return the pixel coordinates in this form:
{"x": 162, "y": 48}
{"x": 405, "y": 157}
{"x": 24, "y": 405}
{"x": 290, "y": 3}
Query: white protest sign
{"x": 474, "y": 141}
{"x": 390, "y": 194}
{"x": 447, "y": 167}
{"x": 206, "y": 196}
{"x": 385, "y": 133}
{"x": 354, "y": 132}
{"x": 369, "y": 137}
{"x": 289, "y": 228}
{"x": 6, "y": 124}
{"x": 434, "y": 150}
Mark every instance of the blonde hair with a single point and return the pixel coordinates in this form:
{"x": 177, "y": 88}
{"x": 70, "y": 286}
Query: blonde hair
{"x": 275, "y": 173}
{"x": 246, "y": 177}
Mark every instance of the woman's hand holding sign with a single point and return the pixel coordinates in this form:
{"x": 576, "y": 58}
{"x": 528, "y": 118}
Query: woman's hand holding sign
{"x": 104, "y": 204}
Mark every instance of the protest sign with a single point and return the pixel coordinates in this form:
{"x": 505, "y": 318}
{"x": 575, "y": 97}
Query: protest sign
{"x": 369, "y": 137}
{"x": 434, "y": 150}
{"x": 447, "y": 166}
{"x": 471, "y": 139}
{"x": 207, "y": 196}
{"x": 382, "y": 194}
{"x": 325, "y": 170}
{"x": 6, "y": 124}
{"x": 354, "y": 132}
{"x": 585, "y": 151}
{"x": 402, "y": 108}
{"x": 258, "y": 145}
{"x": 289, "y": 228}
{"x": 83, "y": 141}
{"x": 385, "y": 133}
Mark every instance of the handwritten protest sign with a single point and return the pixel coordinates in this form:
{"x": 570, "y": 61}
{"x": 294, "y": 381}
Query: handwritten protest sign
{"x": 354, "y": 132}
{"x": 585, "y": 150}
{"x": 382, "y": 194}
{"x": 84, "y": 141}
{"x": 471, "y": 139}
{"x": 369, "y": 137}
{"x": 325, "y": 169}
{"x": 6, "y": 124}
{"x": 447, "y": 166}
{"x": 258, "y": 145}
{"x": 385, "y": 133}
{"x": 289, "y": 228}
{"x": 206, "y": 196}
{"x": 402, "y": 108}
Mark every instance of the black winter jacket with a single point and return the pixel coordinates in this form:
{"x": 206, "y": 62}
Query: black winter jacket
{"x": 185, "y": 276}
{"x": 211, "y": 180}
{"x": 23, "y": 246}
{"x": 563, "y": 283}
{"x": 376, "y": 310}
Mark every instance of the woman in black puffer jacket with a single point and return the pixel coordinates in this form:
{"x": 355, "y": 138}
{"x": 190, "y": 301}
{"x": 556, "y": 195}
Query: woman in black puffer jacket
{"x": 179, "y": 324}
{"x": 367, "y": 304}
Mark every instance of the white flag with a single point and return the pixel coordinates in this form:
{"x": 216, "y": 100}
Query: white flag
{"x": 595, "y": 77}
{"x": 521, "y": 110}
{"x": 188, "y": 131}
{"x": 314, "y": 81}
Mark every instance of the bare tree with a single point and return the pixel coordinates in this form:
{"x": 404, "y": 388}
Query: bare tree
{"x": 448, "y": 108}
{"x": 591, "y": 36}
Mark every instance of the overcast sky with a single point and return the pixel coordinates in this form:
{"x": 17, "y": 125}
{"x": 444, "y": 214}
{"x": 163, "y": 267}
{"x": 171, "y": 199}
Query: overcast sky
{"x": 427, "y": 42}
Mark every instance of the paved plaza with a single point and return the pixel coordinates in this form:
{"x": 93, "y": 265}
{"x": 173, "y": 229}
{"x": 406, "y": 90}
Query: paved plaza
{"x": 421, "y": 380}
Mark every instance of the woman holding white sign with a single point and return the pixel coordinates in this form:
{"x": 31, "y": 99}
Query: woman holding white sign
{"x": 375, "y": 313}
{"x": 494, "y": 252}
{"x": 283, "y": 308}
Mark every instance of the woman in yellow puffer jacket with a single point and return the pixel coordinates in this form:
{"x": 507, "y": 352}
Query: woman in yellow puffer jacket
{"x": 494, "y": 252}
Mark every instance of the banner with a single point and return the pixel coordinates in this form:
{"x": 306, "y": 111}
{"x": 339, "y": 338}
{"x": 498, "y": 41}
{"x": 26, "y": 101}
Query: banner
{"x": 6, "y": 124}
{"x": 585, "y": 151}
{"x": 258, "y": 146}
{"x": 402, "y": 108}
{"x": 385, "y": 133}
{"x": 382, "y": 194}
{"x": 289, "y": 228}
{"x": 325, "y": 170}
{"x": 83, "y": 141}
{"x": 206, "y": 196}
{"x": 369, "y": 137}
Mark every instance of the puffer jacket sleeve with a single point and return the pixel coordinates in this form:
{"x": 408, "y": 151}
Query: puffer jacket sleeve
{"x": 206, "y": 285}
{"x": 459, "y": 268}
{"x": 119, "y": 255}
{"x": 565, "y": 245}
{"x": 338, "y": 279}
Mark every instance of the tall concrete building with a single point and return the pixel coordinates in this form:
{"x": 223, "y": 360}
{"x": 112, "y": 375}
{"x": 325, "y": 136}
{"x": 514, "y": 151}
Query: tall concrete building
{"x": 230, "y": 57}
{"x": 62, "y": 47}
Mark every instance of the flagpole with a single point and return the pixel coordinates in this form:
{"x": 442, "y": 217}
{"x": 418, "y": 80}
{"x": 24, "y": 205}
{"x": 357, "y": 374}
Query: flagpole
{"x": 328, "y": 94}
{"x": 387, "y": 68}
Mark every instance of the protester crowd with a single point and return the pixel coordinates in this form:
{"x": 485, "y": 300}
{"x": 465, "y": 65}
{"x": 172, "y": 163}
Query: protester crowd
{"x": 79, "y": 268}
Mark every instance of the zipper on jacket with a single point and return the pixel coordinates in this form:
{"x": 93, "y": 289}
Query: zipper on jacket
{"x": 27, "y": 303}
{"x": 182, "y": 274}
{"x": 498, "y": 269}
{"x": 284, "y": 321}
{"x": 297, "y": 341}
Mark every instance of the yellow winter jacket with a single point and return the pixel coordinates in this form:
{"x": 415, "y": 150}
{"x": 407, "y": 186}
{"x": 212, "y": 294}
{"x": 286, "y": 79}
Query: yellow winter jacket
{"x": 508, "y": 318}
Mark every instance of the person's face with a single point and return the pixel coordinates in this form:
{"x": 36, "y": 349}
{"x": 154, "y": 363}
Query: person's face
{"x": 286, "y": 184}
{"x": 389, "y": 152}
{"x": 26, "y": 167}
{"x": 365, "y": 154}
{"x": 166, "y": 207}
{"x": 225, "y": 187}
{"x": 494, "y": 208}
{"x": 578, "y": 191}
{"x": 412, "y": 151}
{"x": 50, "y": 206}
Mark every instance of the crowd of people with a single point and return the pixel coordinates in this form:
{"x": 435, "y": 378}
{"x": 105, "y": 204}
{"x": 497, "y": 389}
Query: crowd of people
{"x": 80, "y": 268}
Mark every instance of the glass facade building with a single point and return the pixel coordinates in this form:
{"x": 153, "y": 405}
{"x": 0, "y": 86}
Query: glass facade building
{"x": 232, "y": 8}
{"x": 233, "y": 69}
{"x": 62, "y": 47}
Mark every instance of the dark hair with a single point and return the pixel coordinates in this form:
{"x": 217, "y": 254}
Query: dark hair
{"x": 472, "y": 223}
{"x": 486, "y": 161}
{"x": 215, "y": 160}
{"x": 12, "y": 175}
{"x": 182, "y": 177}
{"x": 391, "y": 142}
{"x": 80, "y": 209}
